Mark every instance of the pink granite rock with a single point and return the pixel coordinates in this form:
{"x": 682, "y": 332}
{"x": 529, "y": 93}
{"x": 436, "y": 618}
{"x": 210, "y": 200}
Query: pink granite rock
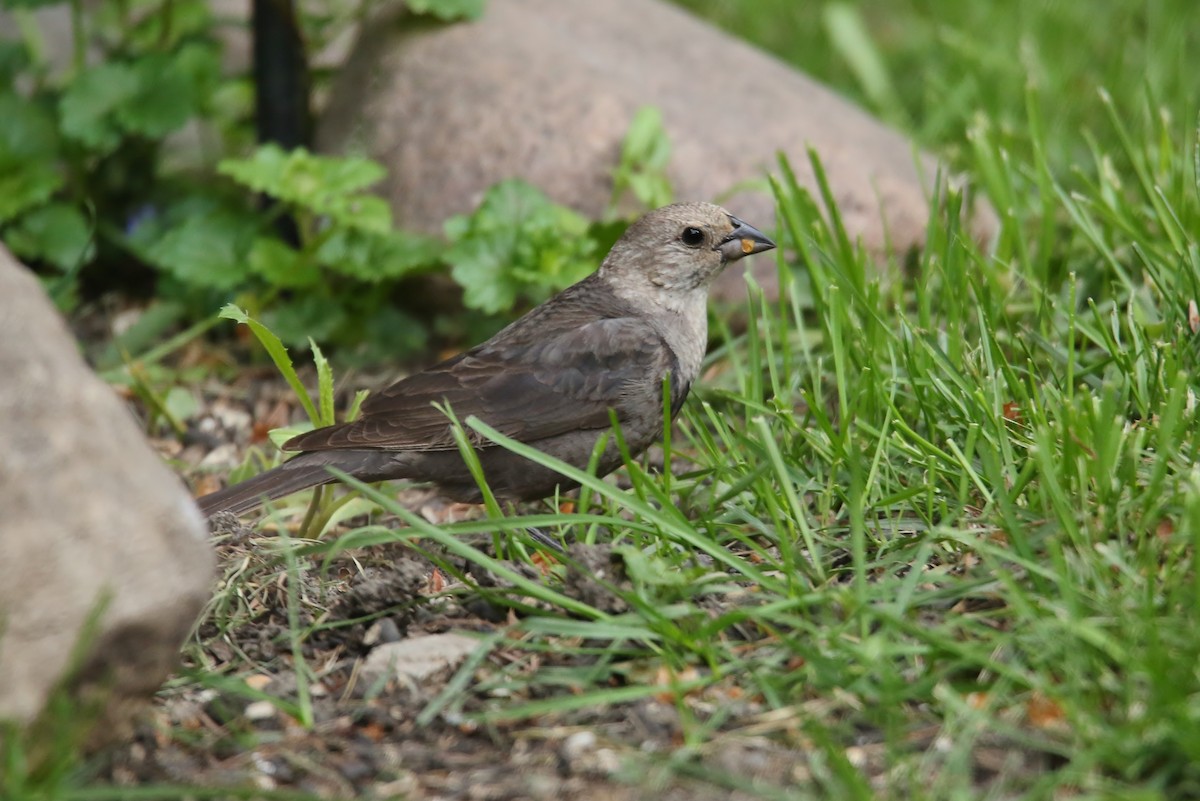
{"x": 545, "y": 90}
{"x": 104, "y": 559}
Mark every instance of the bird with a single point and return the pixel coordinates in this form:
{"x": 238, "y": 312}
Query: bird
{"x": 552, "y": 379}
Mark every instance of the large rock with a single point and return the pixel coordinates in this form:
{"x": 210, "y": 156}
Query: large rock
{"x": 545, "y": 90}
{"x": 104, "y": 563}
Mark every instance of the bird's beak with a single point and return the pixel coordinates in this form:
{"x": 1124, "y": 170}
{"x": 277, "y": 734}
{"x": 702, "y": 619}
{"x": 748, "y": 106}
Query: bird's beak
{"x": 742, "y": 241}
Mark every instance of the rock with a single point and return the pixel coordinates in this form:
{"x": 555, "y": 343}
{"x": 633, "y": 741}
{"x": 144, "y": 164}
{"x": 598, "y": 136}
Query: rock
{"x": 582, "y": 754}
{"x": 545, "y": 90}
{"x": 101, "y": 547}
{"x": 417, "y": 658}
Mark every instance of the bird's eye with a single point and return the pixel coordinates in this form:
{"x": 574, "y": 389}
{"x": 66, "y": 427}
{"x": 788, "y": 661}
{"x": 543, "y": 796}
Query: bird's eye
{"x": 692, "y": 237}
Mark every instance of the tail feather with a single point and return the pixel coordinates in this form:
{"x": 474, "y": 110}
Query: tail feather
{"x": 305, "y": 470}
{"x": 289, "y": 477}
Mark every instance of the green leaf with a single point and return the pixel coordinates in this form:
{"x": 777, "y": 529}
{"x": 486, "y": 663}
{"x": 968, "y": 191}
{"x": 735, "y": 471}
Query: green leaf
{"x": 208, "y": 250}
{"x": 647, "y": 569}
{"x": 646, "y": 143}
{"x": 168, "y": 30}
{"x": 645, "y": 153}
{"x": 57, "y": 233}
{"x": 181, "y": 403}
{"x": 324, "y": 385}
{"x": 14, "y": 59}
{"x": 29, "y": 172}
{"x": 447, "y": 10}
{"x": 88, "y": 108}
{"x": 373, "y": 257}
{"x": 517, "y": 244}
{"x": 164, "y": 99}
{"x": 278, "y": 354}
{"x": 150, "y": 96}
{"x": 21, "y": 189}
{"x": 387, "y": 334}
{"x": 282, "y": 266}
{"x": 315, "y": 315}
{"x": 323, "y": 185}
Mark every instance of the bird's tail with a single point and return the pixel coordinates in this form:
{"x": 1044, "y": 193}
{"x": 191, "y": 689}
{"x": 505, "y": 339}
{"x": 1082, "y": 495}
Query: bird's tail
{"x": 291, "y": 476}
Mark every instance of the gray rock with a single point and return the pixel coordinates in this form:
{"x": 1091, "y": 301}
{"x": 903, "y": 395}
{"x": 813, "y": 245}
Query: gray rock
{"x": 101, "y": 547}
{"x": 545, "y": 90}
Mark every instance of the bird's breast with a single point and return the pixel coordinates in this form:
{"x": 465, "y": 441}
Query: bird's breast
{"x": 686, "y": 334}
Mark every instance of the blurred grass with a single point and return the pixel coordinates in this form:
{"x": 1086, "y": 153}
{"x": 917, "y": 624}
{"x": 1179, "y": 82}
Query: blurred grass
{"x": 944, "y": 61}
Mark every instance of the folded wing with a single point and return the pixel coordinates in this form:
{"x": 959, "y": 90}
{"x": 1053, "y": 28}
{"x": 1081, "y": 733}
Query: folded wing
{"x": 526, "y": 390}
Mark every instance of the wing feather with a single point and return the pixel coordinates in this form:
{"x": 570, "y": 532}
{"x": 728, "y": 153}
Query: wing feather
{"x": 528, "y": 390}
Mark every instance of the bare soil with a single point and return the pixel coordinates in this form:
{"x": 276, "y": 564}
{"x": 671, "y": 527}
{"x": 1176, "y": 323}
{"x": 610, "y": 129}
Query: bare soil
{"x": 367, "y": 738}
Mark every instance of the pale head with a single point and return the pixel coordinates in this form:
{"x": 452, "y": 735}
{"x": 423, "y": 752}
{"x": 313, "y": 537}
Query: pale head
{"x": 679, "y": 249}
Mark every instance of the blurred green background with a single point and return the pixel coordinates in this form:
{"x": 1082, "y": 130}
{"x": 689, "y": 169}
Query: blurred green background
{"x": 930, "y": 66}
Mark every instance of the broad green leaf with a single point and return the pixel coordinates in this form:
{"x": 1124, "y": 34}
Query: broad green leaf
{"x": 387, "y": 334}
{"x": 181, "y": 403}
{"x": 186, "y": 21}
{"x": 88, "y": 109}
{"x": 29, "y": 170}
{"x": 517, "y": 244}
{"x": 24, "y": 188}
{"x": 14, "y": 59}
{"x": 209, "y": 250}
{"x": 282, "y": 266}
{"x": 57, "y": 233}
{"x": 646, "y": 142}
{"x": 370, "y": 256}
{"x": 323, "y": 185}
{"x": 164, "y": 101}
{"x": 645, "y": 153}
{"x": 313, "y": 314}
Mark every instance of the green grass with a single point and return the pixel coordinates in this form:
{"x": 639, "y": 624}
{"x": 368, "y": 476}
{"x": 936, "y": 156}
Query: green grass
{"x": 961, "y": 495}
{"x": 932, "y": 67}
{"x": 932, "y": 513}
{"x": 961, "y": 499}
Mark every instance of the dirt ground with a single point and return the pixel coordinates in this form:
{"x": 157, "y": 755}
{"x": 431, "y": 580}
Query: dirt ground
{"x": 365, "y": 739}
{"x": 233, "y": 717}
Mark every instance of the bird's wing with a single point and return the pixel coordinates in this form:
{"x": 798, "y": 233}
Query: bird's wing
{"x": 528, "y": 391}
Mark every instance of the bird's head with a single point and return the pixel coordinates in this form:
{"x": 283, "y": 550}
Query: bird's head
{"x": 680, "y": 248}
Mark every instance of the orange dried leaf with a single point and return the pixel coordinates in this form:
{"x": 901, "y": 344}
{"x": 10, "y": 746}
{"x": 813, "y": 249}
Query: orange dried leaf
{"x": 1165, "y": 529}
{"x": 373, "y": 732}
{"x": 258, "y": 681}
{"x": 437, "y": 582}
{"x": 1043, "y": 712}
{"x": 544, "y": 562}
{"x": 259, "y": 432}
{"x": 206, "y": 485}
{"x": 665, "y": 677}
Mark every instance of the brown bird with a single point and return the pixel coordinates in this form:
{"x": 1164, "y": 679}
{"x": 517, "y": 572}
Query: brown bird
{"x": 549, "y": 379}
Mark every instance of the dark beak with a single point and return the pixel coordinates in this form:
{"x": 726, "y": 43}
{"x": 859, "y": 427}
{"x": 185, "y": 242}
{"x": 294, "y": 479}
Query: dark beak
{"x": 742, "y": 241}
